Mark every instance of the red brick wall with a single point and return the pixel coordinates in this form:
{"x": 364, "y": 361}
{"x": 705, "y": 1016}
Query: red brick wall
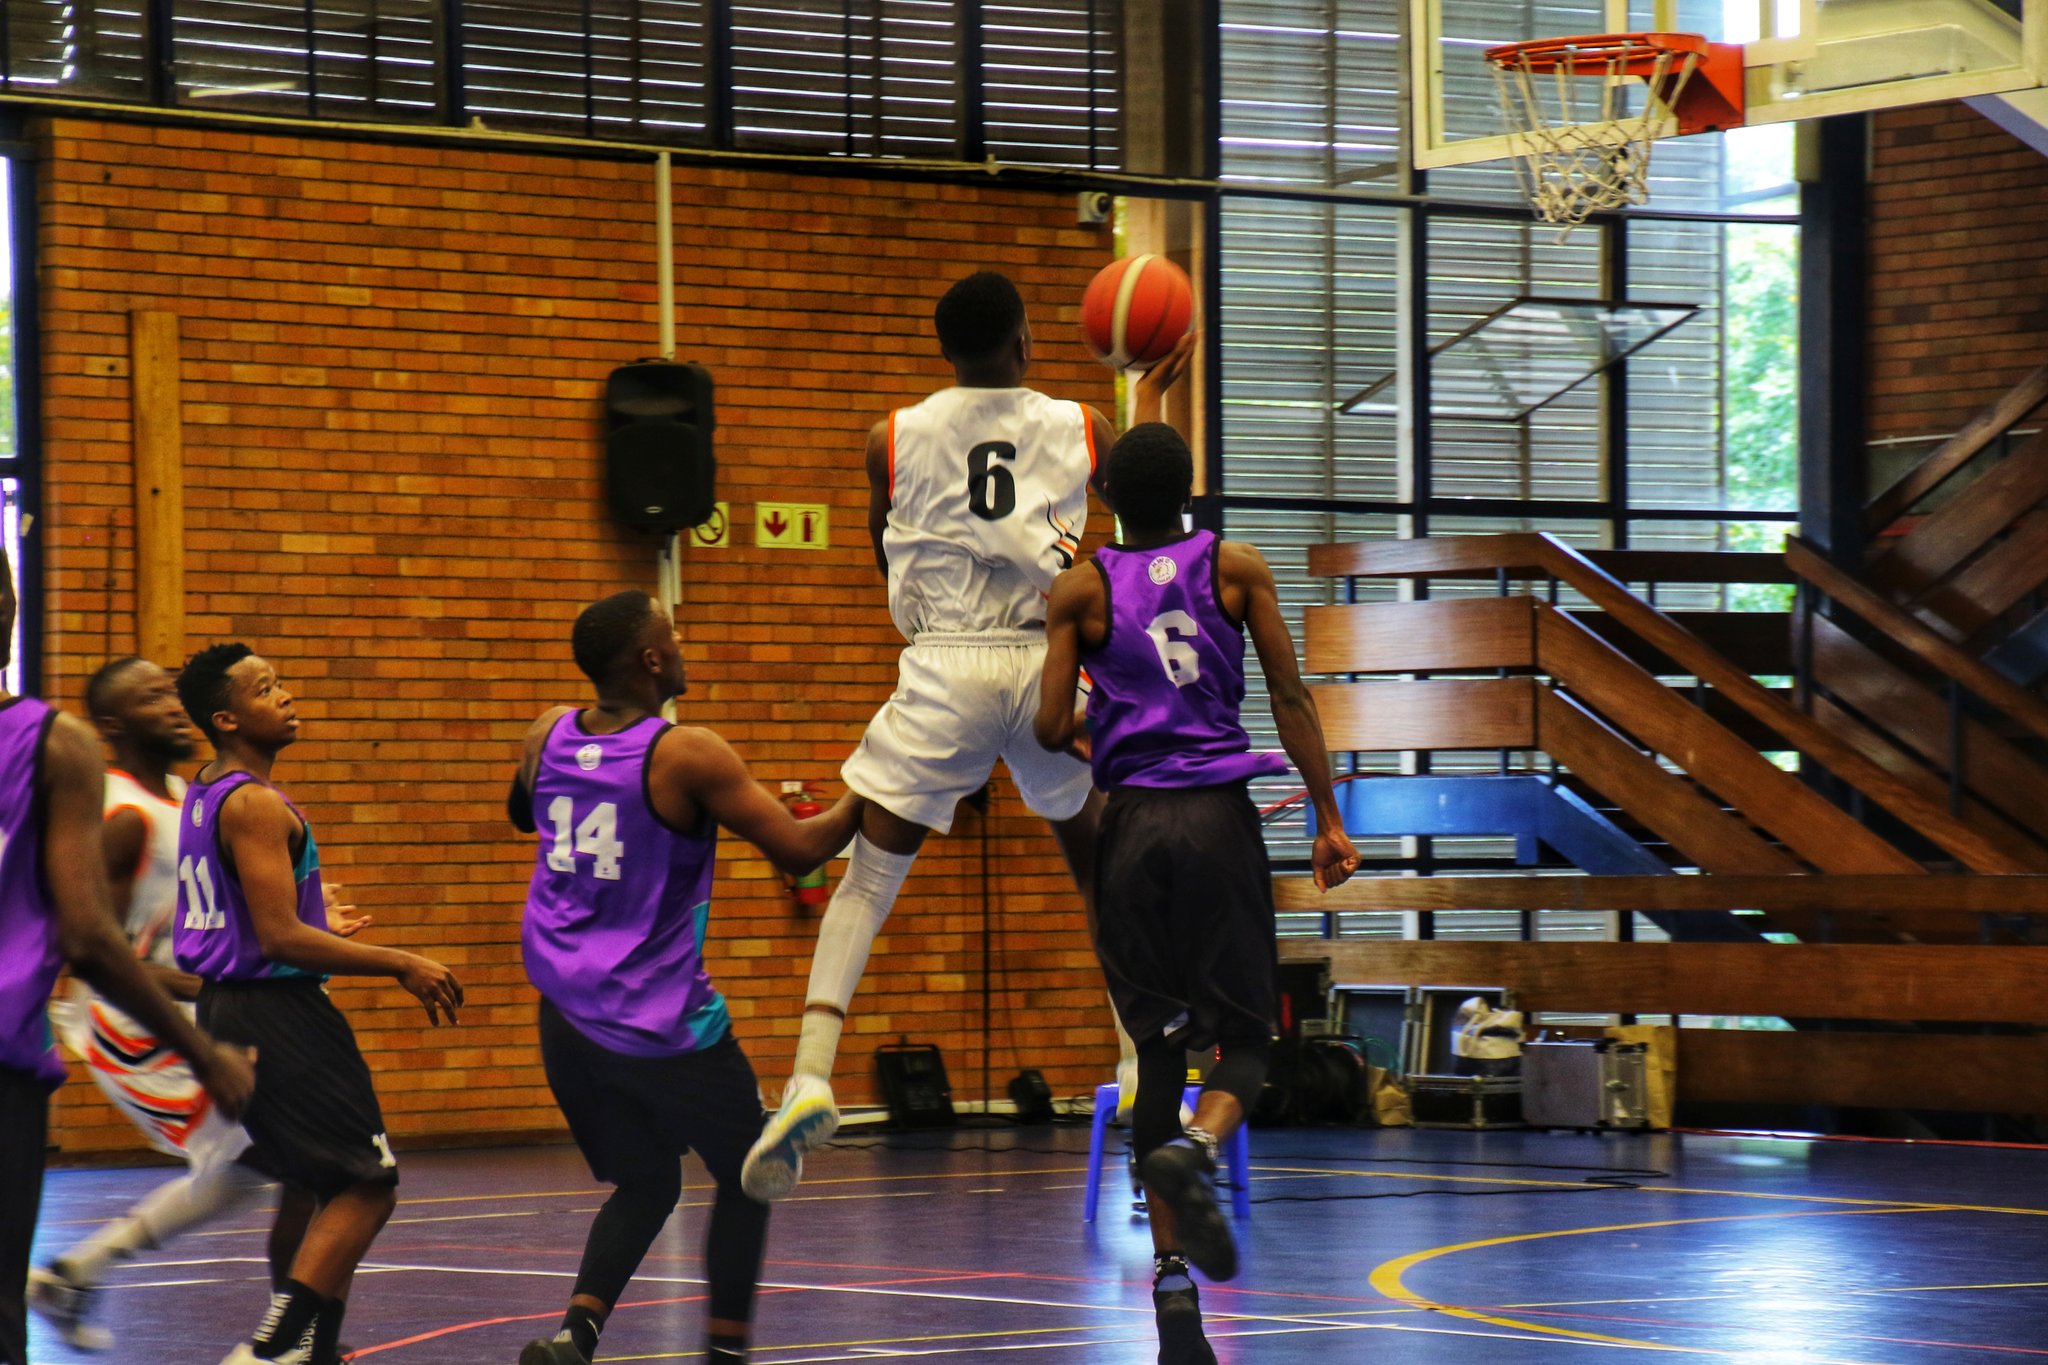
{"x": 392, "y": 362}
{"x": 1958, "y": 267}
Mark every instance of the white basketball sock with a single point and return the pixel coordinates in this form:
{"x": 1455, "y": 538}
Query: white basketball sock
{"x": 860, "y": 905}
{"x": 162, "y": 1214}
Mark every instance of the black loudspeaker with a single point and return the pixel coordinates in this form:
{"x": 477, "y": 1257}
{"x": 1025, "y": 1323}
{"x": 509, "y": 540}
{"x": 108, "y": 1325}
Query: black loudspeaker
{"x": 1032, "y": 1096}
{"x": 659, "y": 468}
{"x": 914, "y": 1084}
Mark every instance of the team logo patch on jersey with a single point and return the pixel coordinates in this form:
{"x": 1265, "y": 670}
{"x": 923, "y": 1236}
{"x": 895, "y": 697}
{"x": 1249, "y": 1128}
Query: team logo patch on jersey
{"x": 588, "y": 757}
{"x": 198, "y": 815}
{"x": 1162, "y": 570}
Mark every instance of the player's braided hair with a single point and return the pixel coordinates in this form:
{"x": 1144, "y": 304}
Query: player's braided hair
{"x": 978, "y": 316}
{"x": 1150, "y": 477}
{"x": 203, "y": 684}
{"x": 609, "y": 630}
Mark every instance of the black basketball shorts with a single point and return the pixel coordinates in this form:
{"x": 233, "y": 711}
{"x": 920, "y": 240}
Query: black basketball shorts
{"x": 314, "y": 1118}
{"x": 1184, "y": 915}
{"x": 635, "y": 1116}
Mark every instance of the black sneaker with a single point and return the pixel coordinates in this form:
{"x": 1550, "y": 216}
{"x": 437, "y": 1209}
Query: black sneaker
{"x": 558, "y": 1350}
{"x": 1178, "y": 1313}
{"x": 1184, "y": 1176}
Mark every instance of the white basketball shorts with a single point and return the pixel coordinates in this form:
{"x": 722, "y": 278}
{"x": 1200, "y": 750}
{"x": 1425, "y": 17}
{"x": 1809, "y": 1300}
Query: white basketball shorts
{"x": 146, "y": 1081}
{"x": 961, "y": 702}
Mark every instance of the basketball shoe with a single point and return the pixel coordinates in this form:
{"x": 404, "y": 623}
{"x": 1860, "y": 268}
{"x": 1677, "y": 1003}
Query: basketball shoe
{"x": 65, "y": 1304}
{"x": 808, "y": 1117}
{"x": 1177, "y": 1312}
{"x": 1183, "y": 1173}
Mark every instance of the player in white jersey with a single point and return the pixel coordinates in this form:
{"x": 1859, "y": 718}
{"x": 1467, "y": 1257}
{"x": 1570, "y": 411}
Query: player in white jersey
{"x": 136, "y": 709}
{"x": 978, "y": 499}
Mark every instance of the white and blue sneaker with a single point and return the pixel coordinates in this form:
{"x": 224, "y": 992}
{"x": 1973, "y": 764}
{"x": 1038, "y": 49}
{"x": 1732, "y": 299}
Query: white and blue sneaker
{"x": 807, "y": 1118}
{"x": 66, "y": 1304}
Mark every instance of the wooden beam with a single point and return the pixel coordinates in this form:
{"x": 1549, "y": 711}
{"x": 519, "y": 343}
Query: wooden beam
{"x": 1964, "y": 603}
{"x": 1998, "y": 1074}
{"x": 1713, "y": 839}
{"x": 1421, "y": 637}
{"x": 1911, "y": 713}
{"x": 1520, "y": 554}
{"x": 1754, "y": 641}
{"x": 1956, "y": 530}
{"x": 1892, "y": 982}
{"x": 1923, "y": 642}
{"x": 158, "y": 421}
{"x": 1481, "y": 713}
{"x": 1960, "y": 897}
{"x": 1977, "y": 433}
{"x": 1767, "y": 796}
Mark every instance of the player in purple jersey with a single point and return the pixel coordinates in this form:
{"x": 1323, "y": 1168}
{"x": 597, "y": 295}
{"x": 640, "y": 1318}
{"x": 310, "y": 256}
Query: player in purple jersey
{"x": 252, "y": 925}
{"x": 51, "y": 783}
{"x": 1184, "y": 901}
{"x": 636, "y": 1041}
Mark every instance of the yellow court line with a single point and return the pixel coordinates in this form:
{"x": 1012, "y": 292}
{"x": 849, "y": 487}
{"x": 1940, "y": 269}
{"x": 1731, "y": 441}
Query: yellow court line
{"x": 1388, "y": 1277}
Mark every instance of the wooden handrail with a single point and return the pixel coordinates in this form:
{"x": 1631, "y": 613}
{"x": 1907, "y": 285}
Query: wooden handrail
{"x": 1979, "y": 432}
{"x": 1545, "y": 553}
{"x": 2024, "y": 894}
{"x": 1520, "y": 556}
{"x": 1925, "y": 644}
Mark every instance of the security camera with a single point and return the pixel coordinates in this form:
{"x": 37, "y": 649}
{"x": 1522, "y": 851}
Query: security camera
{"x": 1092, "y": 208}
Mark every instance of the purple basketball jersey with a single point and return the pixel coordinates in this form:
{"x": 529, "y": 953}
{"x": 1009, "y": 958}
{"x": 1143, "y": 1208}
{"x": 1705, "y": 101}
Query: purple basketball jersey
{"x": 1168, "y": 678}
{"x": 28, "y": 918}
{"x": 615, "y": 915}
{"x": 214, "y": 937}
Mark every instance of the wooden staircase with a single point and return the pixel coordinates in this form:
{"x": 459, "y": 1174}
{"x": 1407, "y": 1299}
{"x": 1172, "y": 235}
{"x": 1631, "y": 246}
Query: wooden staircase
{"x": 1908, "y": 854}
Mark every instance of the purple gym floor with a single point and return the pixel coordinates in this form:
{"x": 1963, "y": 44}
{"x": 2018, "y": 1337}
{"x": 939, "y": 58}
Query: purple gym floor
{"x": 1394, "y": 1246}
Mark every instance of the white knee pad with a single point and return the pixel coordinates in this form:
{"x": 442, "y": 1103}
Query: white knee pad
{"x": 860, "y": 905}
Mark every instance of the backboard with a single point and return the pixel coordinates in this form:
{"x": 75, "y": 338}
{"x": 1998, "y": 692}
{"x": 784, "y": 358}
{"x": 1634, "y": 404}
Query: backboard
{"x": 1802, "y": 58}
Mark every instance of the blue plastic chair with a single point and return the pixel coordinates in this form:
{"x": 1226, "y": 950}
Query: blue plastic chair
{"x": 1237, "y": 1153}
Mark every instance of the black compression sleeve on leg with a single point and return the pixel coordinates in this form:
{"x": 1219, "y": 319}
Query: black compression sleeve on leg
{"x": 623, "y": 1230}
{"x": 732, "y": 1252}
{"x": 1241, "y": 1072}
{"x": 1155, "y": 1114}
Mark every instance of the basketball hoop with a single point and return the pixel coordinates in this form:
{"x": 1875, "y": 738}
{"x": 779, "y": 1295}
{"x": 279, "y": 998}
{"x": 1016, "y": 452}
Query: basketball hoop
{"x": 1579, "y": 146}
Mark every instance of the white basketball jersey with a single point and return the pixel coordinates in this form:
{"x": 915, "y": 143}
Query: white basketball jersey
{"x": 988, "y": 502}
{"x": 155, "y": 895}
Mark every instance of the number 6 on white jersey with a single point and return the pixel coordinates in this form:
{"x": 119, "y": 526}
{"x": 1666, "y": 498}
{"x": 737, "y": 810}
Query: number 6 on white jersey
{"x": 1176, "y": 656}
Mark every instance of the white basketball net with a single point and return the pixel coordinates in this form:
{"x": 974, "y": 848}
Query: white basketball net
{"x": 1579, "y": 149}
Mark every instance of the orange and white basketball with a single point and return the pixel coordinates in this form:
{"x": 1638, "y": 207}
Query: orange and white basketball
{"x": 1136, "y": 309}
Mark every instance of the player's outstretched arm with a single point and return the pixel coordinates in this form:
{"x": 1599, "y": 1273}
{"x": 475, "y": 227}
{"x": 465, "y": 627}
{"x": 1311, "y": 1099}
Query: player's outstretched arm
{"x": 1294, "y": 710}
{"x": 703, "y": 768}
{"x": 256, "y": 830}
{"x": 1076, "y": 595}
{"x": 881, "y": 491}
{"x": 74, "y": 782}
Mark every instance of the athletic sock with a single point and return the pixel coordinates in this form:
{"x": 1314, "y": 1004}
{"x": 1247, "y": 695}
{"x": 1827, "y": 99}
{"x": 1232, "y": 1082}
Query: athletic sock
{"x": 327, "y": 1332}
{"x": 859, "y": 907}
{"x": 725, "y": 1349}
{"x": 583, "y": 1327}
{"x": 290, "y": 1323}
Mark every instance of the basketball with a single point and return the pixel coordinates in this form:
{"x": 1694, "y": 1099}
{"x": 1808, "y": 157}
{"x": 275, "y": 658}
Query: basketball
{"x": 1135, "y": 310}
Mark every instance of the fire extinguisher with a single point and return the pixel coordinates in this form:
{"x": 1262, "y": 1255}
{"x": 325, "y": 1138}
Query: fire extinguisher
{"x": 811, "y": 888}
